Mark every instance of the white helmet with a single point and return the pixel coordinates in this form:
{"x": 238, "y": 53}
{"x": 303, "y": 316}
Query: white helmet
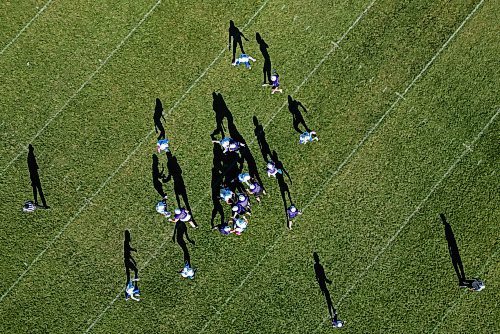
{"x": 241, "y": 197}
{"x": 234, "y": 208}
{"x": 252, "y": 186}
{"x": 293, "y": 209}
{"x": 177, "y": 211}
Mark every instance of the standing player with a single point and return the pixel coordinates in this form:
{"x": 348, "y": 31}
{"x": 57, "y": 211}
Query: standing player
{"x": 272, "y": 170}
{"x": 256, "y": 190}
{"x": 292, "y": 212}
{"x": 132, "y": 291}
{"x": 275, "y": 83}
{"x": 162, "y": 145}
{"x": 187, "y": 271}
{"x": 184, "y": 216}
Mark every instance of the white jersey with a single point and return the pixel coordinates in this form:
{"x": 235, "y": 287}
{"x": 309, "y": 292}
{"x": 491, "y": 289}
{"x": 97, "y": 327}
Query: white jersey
{"x": 187, "y": 272}
{"x": 186, "y": 219}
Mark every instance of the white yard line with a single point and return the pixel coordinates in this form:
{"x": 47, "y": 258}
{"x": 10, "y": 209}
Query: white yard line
{"x": 417, "y": 209}
{"x": 353, "y": 152}
{"x": 101, "y": 65}
{"x": 25, "y": 27}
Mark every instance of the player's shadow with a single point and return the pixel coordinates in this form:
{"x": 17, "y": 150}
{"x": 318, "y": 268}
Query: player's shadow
{"x": 283, "y": 185}
{"x": 260, "y": 135}
{"x": 453, "y": 250}
{"x": 220, "y": 109}
{"x": 245, "y": 153}
{"x": 180, "y": 230}
{"x": 294, "y": 107}
{"x": 36, "y": 184}
{"x": 232, "y": 166}
{"x": 175, "y": 174}
{"x": 322, "y": 281}
{"x": 236, "y": 35}
{"x": 216, "y": 183}
{"x": 158, "y": 176}
{"x": 128, "y": 260}
{"x": 267, "y": 59}
{"x": 157, "y": 116}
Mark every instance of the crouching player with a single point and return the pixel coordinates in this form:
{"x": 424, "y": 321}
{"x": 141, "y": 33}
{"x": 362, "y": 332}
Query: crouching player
{"x": 223, "y": 228}
{"x": 244, "y": 59}
{"x": 229, "y": 144}
{"x": 226, "y": 195}
{"x": 161, "y": 208}
{"x": 292, "y": 212}
{"x": 244, "y": 178}
{"x": 239, "y": 225}
{"x": 307, "y": 137}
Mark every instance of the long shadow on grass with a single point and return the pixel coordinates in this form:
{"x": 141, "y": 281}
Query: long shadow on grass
{"x": 294, "y": 107}
{"x": 267, "y": 59}
{"x": 322, "y": 281}
{"x": 36, "y": 184}
{"x": 157, "y": 116}
{"x": 236, "y": 34}
{"x": 175, "y": 174}
{"x": 215, "y": 184}
{"x": 158, "y": 176}
{"x": 128, "y": 260}
{"x": 180, "y": 231}
{"x": 221, "y": 111}
{"x": 260, "y": 135}
{"x": 284, "y": 189}
{"x": 246, "y": 154}
{"x": 454, "y": 253}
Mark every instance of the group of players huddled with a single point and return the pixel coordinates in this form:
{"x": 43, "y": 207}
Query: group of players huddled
{"x": 238, "y": 192}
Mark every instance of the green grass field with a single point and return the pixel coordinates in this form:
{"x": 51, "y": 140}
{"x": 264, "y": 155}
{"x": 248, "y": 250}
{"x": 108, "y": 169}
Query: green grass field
{"x": 404, "y": 98}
